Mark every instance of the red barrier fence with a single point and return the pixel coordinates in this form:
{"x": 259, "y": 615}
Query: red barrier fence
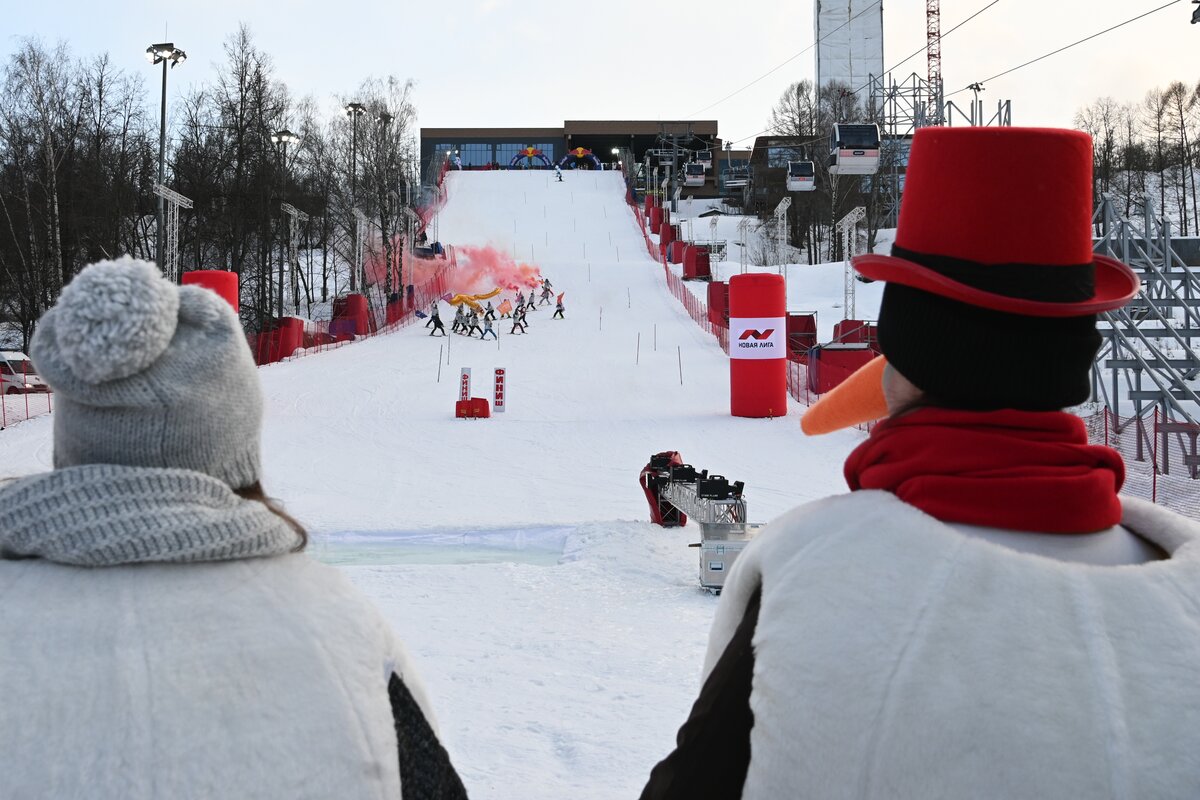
{"x": 356, "y": 317}
{"x": 1162, "y": 464}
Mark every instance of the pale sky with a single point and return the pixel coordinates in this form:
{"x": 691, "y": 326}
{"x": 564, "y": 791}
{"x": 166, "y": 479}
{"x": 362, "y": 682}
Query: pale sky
{"x": 538, "y": 62}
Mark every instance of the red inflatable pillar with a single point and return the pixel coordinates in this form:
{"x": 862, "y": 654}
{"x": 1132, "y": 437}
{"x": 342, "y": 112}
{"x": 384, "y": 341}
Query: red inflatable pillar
{"x": 222, "y": 282}
{"x": 757, "y": 346}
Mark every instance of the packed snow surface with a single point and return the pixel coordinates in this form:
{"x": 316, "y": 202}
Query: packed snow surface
{"x": 560, "y": 634}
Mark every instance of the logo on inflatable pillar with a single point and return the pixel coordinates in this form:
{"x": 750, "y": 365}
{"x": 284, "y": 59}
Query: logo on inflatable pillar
{"x": 757, "y": 337}
{"x": 464, "y": 384}
{"x": 498, "y": 390}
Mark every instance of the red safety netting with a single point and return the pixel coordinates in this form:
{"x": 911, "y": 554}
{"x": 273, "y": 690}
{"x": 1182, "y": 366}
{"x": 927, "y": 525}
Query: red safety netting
{"x": 1161, "y": 460}
{"x": 20, "y": 404}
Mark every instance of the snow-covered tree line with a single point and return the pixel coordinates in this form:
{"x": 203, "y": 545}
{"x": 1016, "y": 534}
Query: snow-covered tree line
{"x": 1148, "y": 149}
{"x": 78, "y": 162}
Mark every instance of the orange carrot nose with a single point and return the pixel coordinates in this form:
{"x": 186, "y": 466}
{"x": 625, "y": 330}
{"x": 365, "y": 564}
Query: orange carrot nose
{"x": 857, "y": 399}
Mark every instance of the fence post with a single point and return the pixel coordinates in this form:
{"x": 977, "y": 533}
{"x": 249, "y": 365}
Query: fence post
{"x": 1154, "y": 473}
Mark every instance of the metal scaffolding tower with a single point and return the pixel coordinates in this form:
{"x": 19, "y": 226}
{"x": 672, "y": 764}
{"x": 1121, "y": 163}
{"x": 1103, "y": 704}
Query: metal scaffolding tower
{"x": 174, "y": 201}
{"x": 846, "y": 230}
{"x": 294, "y": 216}
{"x": 1150, "y": 344}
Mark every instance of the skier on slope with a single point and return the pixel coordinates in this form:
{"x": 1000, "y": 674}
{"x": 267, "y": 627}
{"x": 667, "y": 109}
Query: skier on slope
{"x": 558, "y": 308}
{"x": 459, "y": 320}
{"x": 473, "y": 324}
{"x": 489, "y": 313}
{"x": 437, "y": 326}
{"x": 434, "y": 315}
{"x": 546, "y": 293}
{"x": 518, "y": 319}
{"x": 558, "y": 173}
{"x": 487, "y": 328}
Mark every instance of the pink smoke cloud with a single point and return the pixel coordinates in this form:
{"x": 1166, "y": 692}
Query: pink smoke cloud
{"x": 481, "y": 269}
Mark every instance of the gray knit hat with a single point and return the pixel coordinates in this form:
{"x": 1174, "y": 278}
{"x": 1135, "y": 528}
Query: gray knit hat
{"x": 149, "y": 374}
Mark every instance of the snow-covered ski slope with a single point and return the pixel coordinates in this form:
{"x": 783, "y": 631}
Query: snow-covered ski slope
{"x": 564, "y": 653}
{"x": 364, "y": 438}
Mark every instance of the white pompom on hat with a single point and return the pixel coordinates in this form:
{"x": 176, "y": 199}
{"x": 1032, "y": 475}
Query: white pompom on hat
{"x": 149, "y": 374}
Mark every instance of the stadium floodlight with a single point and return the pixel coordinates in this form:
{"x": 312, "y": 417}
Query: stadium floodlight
{"x": 284, "y": 137}
{"x": 165, "y": 52}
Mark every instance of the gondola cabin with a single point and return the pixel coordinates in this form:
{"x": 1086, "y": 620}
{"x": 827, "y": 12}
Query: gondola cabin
{"x": 737, "y": 178}
{"x": 693, "y": 174}
{"x": 854, "y": 149}
{"x": 705, "y": 157}
{"x": 801, "y": 177}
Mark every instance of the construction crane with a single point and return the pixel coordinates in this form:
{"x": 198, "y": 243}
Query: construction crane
{"x": 933, "y": 33}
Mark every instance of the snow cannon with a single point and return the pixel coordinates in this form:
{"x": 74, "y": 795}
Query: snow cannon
{"x": 757, "y": 345}
{"x": 677, "y": 490}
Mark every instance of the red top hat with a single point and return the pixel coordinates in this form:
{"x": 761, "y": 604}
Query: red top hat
{"x": 1001, "y": 218}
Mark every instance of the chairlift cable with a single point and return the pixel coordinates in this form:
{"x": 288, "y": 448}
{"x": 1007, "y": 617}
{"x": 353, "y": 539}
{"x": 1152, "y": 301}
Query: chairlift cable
{"x": 1069, "y": 46}
{"x": 897, "y": 64}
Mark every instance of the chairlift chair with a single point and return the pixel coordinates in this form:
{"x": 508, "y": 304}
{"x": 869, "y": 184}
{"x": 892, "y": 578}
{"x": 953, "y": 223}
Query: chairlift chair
{"x": 705, "y": 157}
{"x": 854, "y": 149}
{"x": 801, "y": 177}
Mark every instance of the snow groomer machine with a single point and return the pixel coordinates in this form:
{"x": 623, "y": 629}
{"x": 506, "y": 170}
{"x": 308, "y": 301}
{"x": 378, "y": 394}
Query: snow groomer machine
{"x": 676, "y": 491}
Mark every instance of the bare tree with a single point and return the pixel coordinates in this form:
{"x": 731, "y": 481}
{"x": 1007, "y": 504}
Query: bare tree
{"x": 1179, "y": 100}
{"x": 1101, "y": 119}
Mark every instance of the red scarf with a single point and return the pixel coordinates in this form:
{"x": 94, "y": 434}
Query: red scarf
{"x": 1018, "y": 470}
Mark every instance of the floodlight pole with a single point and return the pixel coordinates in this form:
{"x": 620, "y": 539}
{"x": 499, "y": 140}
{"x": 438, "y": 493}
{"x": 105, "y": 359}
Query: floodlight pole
{"x": 162, "y": 171}
{"x": 355, "y": 110}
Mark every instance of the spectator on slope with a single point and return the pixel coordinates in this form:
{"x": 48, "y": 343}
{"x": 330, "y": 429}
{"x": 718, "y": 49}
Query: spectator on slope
{"x": 518, "y": 321}
{"x": 982, "y": 615}
{"x": 164, "y": 635}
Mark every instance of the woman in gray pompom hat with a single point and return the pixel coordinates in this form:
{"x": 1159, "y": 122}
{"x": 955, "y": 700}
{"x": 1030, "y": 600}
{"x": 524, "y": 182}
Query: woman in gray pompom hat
{"x": 161, "y": 634}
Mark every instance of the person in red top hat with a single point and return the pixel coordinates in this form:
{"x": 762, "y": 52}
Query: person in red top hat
{"x": 982, "y": 615}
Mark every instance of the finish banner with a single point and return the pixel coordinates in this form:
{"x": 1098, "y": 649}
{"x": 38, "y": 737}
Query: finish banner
{"x": 758, "y": 337}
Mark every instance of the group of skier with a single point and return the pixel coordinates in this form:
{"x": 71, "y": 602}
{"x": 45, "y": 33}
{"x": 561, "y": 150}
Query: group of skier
{"x": 469, "y": 321}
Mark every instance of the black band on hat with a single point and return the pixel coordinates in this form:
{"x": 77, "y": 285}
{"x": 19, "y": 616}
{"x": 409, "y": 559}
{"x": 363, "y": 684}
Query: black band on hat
{"x": 1071, "y": 283}
{"x": 974, "y": 358}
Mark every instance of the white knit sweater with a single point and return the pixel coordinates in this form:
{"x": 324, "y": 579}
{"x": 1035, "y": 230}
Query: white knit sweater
{"x": 898, "y": 658}
{"x": 257, "y": 678}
